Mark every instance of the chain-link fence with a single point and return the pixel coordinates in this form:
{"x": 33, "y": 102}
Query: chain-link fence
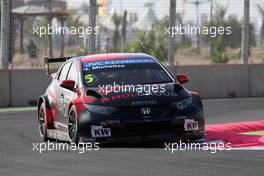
{"x": 205, "y": 31}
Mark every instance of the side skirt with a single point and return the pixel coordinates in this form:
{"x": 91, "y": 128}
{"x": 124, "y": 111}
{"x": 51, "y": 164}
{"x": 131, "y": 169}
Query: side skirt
{"x": 57, "y": 134}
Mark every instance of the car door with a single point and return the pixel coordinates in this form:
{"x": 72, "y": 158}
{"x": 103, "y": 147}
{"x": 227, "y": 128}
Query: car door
{"x": 61, "y": 119}
{"x": 69, "y": 95}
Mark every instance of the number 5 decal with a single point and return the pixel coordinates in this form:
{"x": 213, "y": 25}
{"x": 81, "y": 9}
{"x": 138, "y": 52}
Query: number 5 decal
{"x": 88, "y": 78}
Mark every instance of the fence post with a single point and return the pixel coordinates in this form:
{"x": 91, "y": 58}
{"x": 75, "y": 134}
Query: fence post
{"x": 171, "y": 46}
{"x": 245, "y": 33}
{"x": 92, "y": 24}
{"x": 5, "y": 49}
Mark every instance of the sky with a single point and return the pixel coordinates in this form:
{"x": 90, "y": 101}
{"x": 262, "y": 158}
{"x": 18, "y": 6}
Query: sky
{"x": 235, "y": 7}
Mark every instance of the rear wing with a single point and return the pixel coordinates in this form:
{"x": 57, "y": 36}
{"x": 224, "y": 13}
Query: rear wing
{"x": 49, "y": 60}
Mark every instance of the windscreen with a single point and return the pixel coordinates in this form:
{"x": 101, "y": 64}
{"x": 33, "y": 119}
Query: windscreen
{"x": 124, "y": 71}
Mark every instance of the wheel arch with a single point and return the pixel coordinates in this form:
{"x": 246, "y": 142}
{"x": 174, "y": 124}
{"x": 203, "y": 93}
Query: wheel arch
{"x": 48, "y": 110}
{"x": 78, "y": 107}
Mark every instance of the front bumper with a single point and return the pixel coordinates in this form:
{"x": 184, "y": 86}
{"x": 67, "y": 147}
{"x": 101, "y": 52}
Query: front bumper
{"x": 144, "y": 129}
{"x": 147, "y": 138}
{"x": 128, "y": 126}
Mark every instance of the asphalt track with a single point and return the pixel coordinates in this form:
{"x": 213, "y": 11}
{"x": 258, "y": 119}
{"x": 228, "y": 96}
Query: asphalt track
{"x": 18, "y": 132}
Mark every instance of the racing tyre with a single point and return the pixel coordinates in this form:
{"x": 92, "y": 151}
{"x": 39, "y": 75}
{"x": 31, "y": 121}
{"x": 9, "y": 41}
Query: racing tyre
{"x": 42, "y": 125}
{"x": 73, "y": 130}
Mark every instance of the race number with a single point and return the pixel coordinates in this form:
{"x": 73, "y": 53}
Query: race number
{"x": 88, "y": 78}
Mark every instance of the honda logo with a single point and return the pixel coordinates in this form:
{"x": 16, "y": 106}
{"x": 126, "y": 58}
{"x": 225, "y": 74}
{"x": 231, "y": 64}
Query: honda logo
{"x": 145, "y": 111}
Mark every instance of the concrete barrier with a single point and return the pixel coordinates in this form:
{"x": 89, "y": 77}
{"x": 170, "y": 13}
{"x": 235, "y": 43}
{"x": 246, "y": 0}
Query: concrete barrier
{"x": 27, "y": 86}
{"x": 4, "y": 88}
{"x": 256, "y": 80}
{"x": 212, "y": 81}
{"x": 218, "y": 81}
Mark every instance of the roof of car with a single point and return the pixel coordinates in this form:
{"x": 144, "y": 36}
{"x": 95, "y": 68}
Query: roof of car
{"x": 111, "y": 56}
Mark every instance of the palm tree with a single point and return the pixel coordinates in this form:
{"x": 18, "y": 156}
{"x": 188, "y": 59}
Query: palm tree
{"x": 220, "y": 14}
{"x": 261, "y": 11}
{"x": 116, "y": 36}
{"x": 219, "y": 20}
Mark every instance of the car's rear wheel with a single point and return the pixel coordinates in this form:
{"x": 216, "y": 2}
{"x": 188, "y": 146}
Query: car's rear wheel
{"x": 73, "y": 130}
{"x": 42, "y": 125}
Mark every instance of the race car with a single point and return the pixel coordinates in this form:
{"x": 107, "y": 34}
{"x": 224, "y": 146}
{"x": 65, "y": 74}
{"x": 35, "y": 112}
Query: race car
{"x": 123, "y": 97}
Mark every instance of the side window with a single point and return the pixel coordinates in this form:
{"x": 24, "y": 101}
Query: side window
{"x": 73, "y": 74}
{"x": 64, "y": 71}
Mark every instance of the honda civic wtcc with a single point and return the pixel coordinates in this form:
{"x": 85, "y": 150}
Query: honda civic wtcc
{"x": 88, "y": 101}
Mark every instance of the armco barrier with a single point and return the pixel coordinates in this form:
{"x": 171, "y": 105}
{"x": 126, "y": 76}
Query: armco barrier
{"x": 212, "y": 81}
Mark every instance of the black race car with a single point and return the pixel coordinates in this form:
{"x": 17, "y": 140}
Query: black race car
{"x": 118, "y": 97}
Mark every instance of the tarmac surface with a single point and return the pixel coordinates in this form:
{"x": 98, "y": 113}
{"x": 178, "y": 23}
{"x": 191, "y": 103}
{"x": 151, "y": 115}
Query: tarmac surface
{"x": 19, "y": 131}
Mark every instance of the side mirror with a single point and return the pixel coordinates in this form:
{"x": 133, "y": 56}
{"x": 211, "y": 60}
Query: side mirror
{"x": 182, "y": 78}
{"x": 68, "y": 84}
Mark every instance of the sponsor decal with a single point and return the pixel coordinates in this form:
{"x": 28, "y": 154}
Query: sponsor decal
{"x": 104, "y": 100}
{"x": 140, "y": 103}
{"x": 118, "y": 97}
{"x": 116, "y": 62}
{"x": 190, "y": 125}
{"x": 99, "y": 131}
{"x": 145, "y": 111}
{"x": 105, "y": 67}
{"x": 107, "y": 122}
{"x": 129, "y": 95}
{"x": 110, "y": 122}
{"x": 62, "y": 105}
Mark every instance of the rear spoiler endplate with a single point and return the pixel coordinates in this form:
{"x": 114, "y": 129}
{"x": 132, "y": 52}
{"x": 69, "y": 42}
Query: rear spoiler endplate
{"x": 48, "y": 60}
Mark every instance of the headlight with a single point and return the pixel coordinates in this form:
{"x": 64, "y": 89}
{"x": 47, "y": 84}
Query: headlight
{"x": 104, "y": 110}
{"x": 183, "y": 103}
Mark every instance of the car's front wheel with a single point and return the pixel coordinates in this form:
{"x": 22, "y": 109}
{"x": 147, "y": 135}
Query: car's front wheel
{"x": 73, "y": 130}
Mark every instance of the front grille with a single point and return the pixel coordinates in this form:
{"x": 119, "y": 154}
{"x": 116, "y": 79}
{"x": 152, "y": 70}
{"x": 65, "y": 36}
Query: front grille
{"x": 135, "y": 112}
{"x": 148, "y": 127}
